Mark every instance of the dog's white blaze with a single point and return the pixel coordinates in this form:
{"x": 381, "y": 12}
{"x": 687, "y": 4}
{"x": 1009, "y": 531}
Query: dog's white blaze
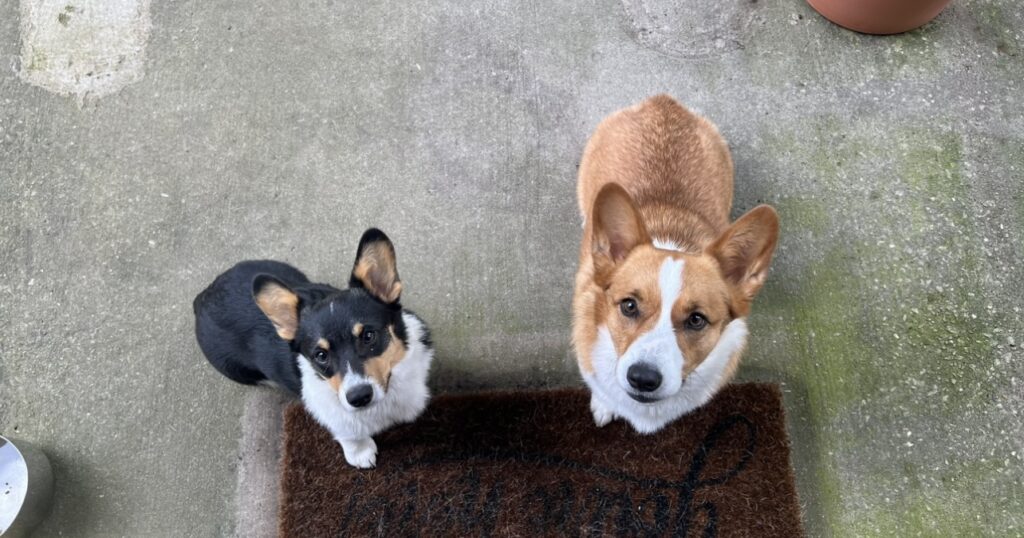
{"x": 670, "y": 282}
{"x": 658, "y": 347}
{"x": 665, "y": 244}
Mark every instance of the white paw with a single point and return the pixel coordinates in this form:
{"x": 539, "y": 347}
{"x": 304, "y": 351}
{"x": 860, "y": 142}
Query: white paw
{"x": 361, "y": 453}
{"x": 602, "y": 415}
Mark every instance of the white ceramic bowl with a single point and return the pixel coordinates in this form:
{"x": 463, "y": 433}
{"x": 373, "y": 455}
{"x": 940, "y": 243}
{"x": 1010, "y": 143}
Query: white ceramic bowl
{"x": 26, "y": 487}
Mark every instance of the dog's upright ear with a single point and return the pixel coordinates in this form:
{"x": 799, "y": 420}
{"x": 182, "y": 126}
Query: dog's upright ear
{"x": 744, "y": 251}
{"x": 617, "y": 230}
{"x": 375, "y": 269}
{"x": 279, "y": 303}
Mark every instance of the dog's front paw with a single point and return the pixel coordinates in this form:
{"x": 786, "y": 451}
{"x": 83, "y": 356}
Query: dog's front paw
{"x": 361, "y": 453}
{"x": 602, "y": 415}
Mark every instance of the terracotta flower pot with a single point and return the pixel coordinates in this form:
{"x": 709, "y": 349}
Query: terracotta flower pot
{"x": 879, "y": 16}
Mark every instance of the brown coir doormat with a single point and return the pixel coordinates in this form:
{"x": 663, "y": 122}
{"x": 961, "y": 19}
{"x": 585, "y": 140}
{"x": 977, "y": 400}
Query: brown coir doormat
{"x": 534, "y": 464}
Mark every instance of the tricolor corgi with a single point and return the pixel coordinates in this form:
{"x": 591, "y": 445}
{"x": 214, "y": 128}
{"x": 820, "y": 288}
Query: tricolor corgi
{"x": 665, "y": 281}
{"x": 358, "y": 360}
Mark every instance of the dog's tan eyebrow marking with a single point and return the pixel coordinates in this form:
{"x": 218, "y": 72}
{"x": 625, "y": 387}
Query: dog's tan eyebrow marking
{"x": 323, "y": 343}
{"x": 357, "y": 329}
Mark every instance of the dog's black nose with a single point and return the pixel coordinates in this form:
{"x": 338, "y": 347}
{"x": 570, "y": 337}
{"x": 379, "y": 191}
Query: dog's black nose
{"x": 359, "y": 396}
{"x": 643, "y": 377}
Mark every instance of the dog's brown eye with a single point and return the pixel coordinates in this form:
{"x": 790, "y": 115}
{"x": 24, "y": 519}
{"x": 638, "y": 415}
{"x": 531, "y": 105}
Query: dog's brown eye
{"x": 369, "y": 337}
{"x": 320, "y": 356}
{"x": 696, "y": 322}
{"x": 629, "y": 308}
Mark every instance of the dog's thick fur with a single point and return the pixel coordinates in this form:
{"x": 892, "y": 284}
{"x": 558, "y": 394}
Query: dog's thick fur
{"x": 665, "y": 281}
{"x": 358, "y": 360}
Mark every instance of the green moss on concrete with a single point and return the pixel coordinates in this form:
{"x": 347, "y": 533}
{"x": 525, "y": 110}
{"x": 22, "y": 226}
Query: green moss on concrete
{"x": 803, "y": 214}
{"x": 1009, "y": 152}
{"x": 827, "y": 358}
{"x": 38, "y": 61}
{"x": 836, "y": 151}
{"x": 948, "y": 508}
{"x": 916, "y": 49}
{"x": 948, "y": 320}
{"x": 876, "y": 312}
{"x": 932, "y": 166}
{"x": 995, "y": 25}
{"x": 827, "y": 338}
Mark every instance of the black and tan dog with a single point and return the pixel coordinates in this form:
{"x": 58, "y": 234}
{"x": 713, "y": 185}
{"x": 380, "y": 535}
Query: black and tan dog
{"x": 358, "y": 360}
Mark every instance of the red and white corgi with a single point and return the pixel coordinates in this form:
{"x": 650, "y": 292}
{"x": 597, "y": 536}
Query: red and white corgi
{"x": 665, "y": 282}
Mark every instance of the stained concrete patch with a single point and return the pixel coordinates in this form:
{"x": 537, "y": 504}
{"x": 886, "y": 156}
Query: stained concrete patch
{"x": 83, "y": 48}
{"x": 689, "y": 29}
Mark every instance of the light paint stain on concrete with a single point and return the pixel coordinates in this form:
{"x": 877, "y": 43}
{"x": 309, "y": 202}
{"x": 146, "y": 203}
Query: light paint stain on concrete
{"x": 85, "y": 48}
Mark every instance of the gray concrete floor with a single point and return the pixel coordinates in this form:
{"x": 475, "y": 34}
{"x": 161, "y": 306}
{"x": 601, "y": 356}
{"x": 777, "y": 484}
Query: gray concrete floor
{"x": 280, "y": 129}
